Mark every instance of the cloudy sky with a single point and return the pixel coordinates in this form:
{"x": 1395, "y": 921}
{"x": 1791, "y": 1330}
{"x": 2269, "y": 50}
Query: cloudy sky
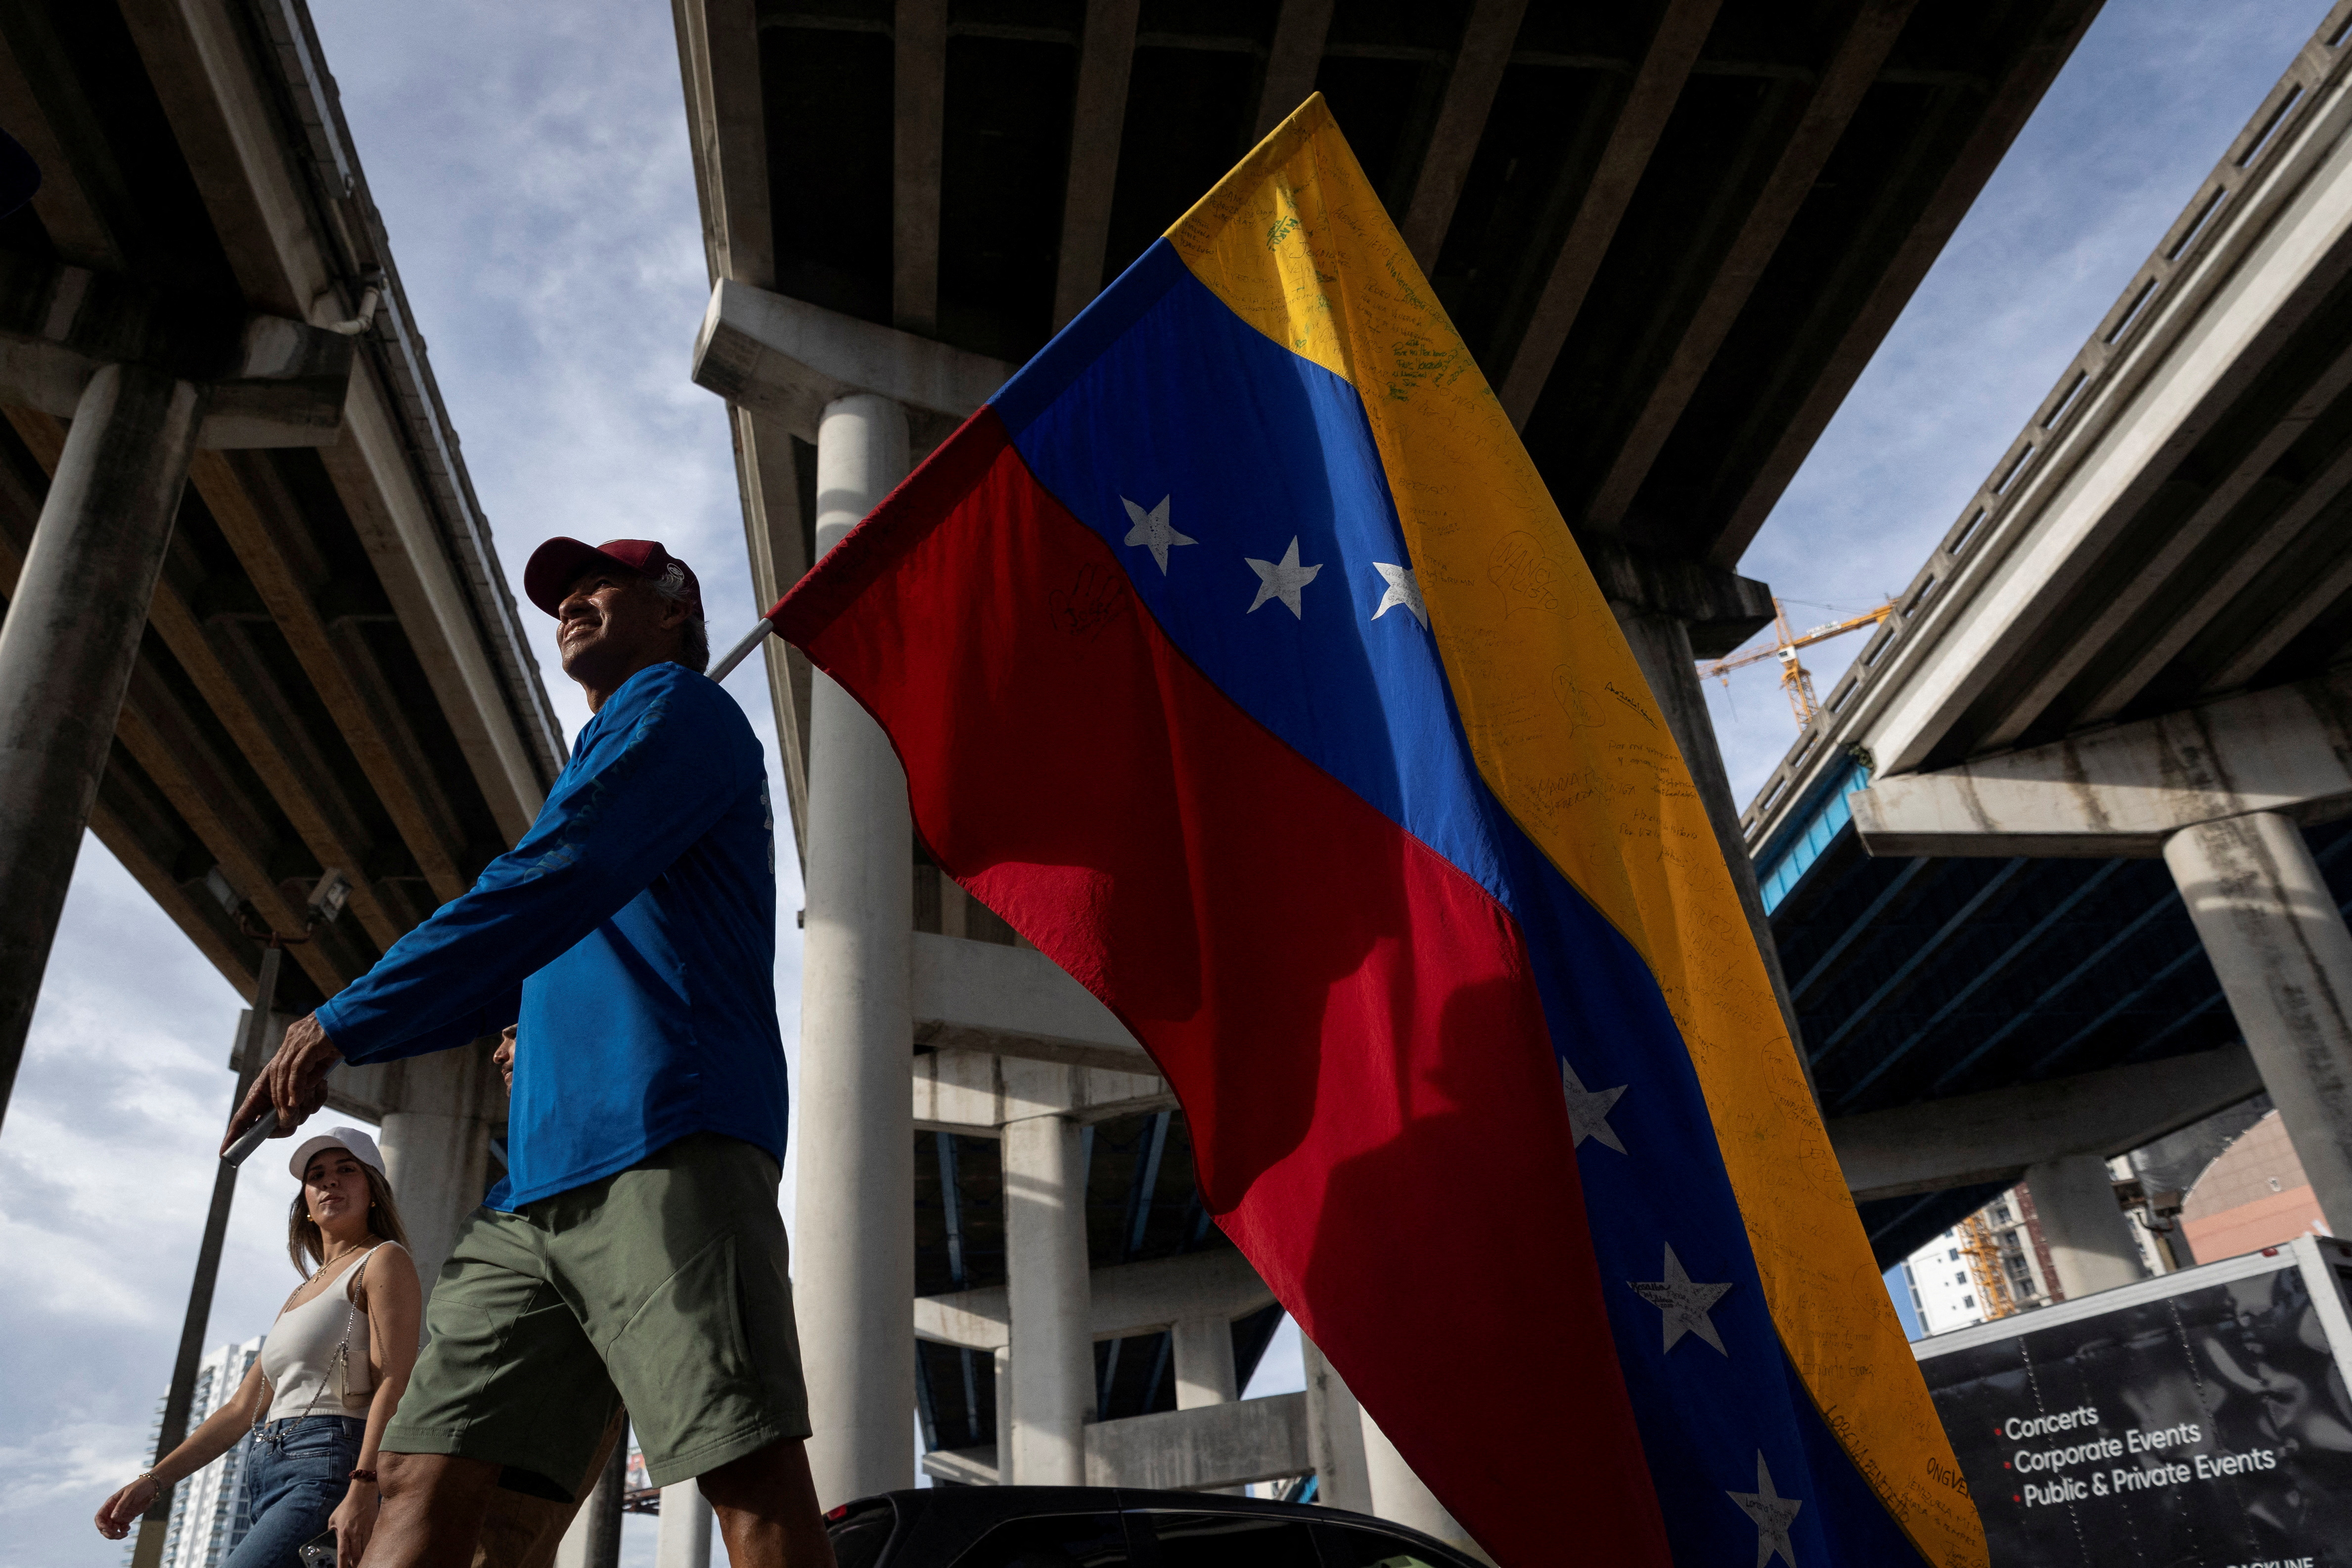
{"x": 532, "y": 164}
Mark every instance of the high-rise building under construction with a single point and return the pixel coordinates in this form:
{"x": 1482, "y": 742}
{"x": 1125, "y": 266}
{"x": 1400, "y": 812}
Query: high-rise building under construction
{"x": 208, "y": 1516}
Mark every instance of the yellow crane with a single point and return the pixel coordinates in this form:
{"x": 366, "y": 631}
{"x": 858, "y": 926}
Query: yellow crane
{"x": 1987, "y": 1267}
{"x": 1795, "y": 679}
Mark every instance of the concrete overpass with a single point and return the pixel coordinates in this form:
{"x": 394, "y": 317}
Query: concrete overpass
{"x": 1673, "y": 232}
{"x": 2075, "y": 818}
{"x": 256, "y": 625}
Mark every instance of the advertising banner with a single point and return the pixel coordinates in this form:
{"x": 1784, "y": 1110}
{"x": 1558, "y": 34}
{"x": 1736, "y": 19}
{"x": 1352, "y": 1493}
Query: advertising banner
{"x": 2197, "y": 1421}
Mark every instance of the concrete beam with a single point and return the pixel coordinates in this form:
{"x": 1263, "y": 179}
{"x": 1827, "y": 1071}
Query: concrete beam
{"x": 1097, "y": 119}
{"x": 1721, "y": 609}
{"x": 2009, "y": 100}
{"x": 1641, "y": 124}
{"x": 1837, "y": 93}
{"x": 2123, "y": 791}
{"x": 258, "y": 515}
{"x": 718, "y": 60}
{"x": 1470, "y": 89}
{"x": 976, "y": 1092}
{"x": 786, "y": 357}
{"x": 375, "y": 475}
{"x": 965, "y": 1466}
{"x": 1126, "y": 1298}
{"x": 918, "y": 92}
{"x": 271, "y": 381}
{"x": 1291, "y": 62}
{"x": 1208, "y": 1445}
{"x": 1996, "y": 1135}
{"x": 1014, "y": 1001}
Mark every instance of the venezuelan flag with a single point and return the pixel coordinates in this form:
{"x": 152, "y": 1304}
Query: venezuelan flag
{"x": 1238, "y": 657}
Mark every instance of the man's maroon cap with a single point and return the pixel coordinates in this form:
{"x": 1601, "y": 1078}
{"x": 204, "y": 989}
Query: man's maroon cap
{"x": 559, "y": 563}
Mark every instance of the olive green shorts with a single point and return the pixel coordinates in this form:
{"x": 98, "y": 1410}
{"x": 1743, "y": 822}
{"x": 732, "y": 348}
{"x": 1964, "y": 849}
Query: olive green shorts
{"x": 663, "y": 1287}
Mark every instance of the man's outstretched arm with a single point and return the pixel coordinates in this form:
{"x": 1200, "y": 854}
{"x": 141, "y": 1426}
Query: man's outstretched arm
{"x": 294, "y": 1084}
{"x": 651, "y": 789}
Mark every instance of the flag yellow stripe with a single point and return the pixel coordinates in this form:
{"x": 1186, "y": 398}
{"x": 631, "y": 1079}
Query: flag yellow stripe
{"x": 1567, "y": 735}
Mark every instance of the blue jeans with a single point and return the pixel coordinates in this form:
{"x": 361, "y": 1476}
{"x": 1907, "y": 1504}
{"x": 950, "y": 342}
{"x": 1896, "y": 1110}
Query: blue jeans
{"x": 294, "y": 1474}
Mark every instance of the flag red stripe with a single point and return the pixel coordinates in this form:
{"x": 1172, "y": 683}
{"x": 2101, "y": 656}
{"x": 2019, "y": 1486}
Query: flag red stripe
{"x": 1330, "y": 999}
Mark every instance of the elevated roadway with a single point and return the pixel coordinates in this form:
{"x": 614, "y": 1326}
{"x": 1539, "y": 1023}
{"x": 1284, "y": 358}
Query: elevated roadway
{"x": 255, "y": 627}
{"x": 2078, "y": 806}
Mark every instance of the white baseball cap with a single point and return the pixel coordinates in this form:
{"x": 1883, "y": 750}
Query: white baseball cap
{"x": 363, "y": 1149}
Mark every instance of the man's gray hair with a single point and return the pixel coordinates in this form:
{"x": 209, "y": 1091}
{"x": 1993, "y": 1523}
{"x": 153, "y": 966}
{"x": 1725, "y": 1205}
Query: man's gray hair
{"x": 694, "y": 645}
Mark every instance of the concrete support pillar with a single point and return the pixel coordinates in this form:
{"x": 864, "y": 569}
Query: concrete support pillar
{"x": 2279, "y": 943}
{"x": 593, "y": 1540}
{"x": 1662, "y": 646}
{"x": 1001, "y": 1368}
{"x": 1047, "y": 1293}
{"x": 1335, "y": 1434}
{"x": 66, "y": 652}
{"x": 686, "y": 1518}
{"x": 2089, "y": 1240}
{"x": 1202, "y": 1350}
{"x": 436, "y": 1147}
{"x": 854, "y": 1281}
{"x": 1398, "y": 1494}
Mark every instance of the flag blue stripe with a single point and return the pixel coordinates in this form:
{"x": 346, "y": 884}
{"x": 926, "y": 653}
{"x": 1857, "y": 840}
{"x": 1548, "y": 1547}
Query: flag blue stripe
{"x": 1159, "y": 393}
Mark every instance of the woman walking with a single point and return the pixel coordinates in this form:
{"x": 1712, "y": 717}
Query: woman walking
{"x": 328, "y": 1376}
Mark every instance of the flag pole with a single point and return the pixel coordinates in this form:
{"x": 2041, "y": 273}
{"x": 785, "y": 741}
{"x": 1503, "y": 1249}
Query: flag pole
{"x": 749, "y": 641}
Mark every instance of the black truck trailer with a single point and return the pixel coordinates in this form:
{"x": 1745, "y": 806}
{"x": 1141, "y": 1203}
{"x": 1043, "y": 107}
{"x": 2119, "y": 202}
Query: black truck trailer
{"x": 2197, "y": 1421}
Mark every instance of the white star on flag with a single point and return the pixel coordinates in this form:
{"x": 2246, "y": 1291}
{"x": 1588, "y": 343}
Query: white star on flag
{"x": 1772, "y": 1514}
{"x": 1282, "y": 579}
{"x": 1587, "y": 1109}
{"x": 1404, "y": 590}
{"x": 1681, "y": 1303}
{"x": 1151, "y": 530}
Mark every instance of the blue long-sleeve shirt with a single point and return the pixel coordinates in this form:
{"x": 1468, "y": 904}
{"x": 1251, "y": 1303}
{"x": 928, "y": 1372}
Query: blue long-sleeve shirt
{"x": 632, "y": 933}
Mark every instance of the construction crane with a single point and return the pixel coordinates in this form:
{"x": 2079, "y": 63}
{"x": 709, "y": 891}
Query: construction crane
{"x": 1982, "y": 1248}
{"x": 1795, "y": 679}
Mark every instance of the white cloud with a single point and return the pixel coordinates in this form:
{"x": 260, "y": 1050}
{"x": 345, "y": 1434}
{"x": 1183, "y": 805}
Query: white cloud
{"x": 72, "y": 1466}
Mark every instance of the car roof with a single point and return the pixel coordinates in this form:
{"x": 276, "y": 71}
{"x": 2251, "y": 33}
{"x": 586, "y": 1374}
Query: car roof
{"x": 967, "y": 1511}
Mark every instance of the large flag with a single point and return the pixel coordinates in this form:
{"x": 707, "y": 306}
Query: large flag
{"x": 1239, "y": 659}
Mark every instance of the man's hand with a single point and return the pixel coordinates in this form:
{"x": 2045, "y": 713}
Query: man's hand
{"x": 295, "y": 1082}
{"x": 504, "y": 1057}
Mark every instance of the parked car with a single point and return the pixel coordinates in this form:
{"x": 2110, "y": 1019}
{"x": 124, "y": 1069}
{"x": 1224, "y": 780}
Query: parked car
{"x": 1103, "y": 1527}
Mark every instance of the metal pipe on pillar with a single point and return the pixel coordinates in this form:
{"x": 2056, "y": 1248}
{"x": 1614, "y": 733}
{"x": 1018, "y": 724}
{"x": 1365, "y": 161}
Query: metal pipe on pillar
{"x": 1000, "y": 1369}
{"x": 2280, "y": 947}
{"x": 855, "y": 1287}
{"x": 258, "y": 1030}
{"x": 66, "y": 651}
{"x": 1047, "y": 1293}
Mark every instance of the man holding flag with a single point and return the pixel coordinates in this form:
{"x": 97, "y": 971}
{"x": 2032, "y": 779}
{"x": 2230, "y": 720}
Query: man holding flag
{"x": 1238, "y": 657}
{"x": 633, "y": 1254}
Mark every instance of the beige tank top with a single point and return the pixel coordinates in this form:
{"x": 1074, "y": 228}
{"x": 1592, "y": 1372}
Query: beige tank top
{"x": 300, "y": 1357}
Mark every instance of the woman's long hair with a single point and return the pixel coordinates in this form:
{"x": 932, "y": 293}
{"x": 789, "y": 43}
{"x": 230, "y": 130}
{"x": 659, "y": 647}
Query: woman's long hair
{"x": 306, "y": 1246}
